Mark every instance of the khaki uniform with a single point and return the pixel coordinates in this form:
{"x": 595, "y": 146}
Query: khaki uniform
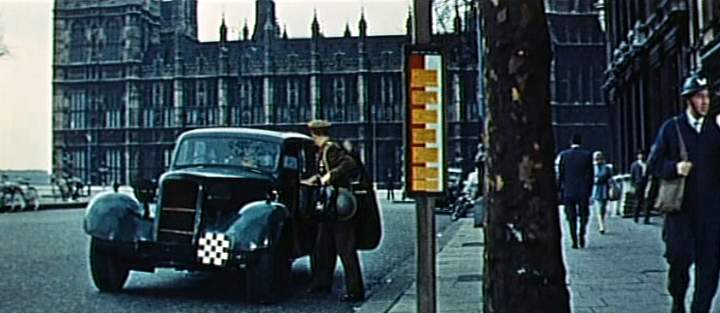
{"x": 337, "y": 238}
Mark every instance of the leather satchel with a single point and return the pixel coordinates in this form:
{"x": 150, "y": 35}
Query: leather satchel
{"x": 670, "y": 192}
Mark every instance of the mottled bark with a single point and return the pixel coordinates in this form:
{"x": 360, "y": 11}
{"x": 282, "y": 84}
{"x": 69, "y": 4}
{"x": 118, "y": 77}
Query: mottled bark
{"x": 524, "y": 270}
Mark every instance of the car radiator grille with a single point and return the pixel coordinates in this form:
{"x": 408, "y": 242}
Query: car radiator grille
{"x": 178, "y": 212}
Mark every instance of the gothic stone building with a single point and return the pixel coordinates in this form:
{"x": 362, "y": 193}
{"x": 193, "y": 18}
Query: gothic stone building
{"x": 652, "y": 46}
{"x": 130, "y": 75}
{"x": 578, "y": 67}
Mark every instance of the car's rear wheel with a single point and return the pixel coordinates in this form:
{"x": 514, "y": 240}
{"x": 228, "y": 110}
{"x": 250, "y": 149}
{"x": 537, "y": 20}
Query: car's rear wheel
{"x": 108, "y": 272}
{"x": 267, "y": 279}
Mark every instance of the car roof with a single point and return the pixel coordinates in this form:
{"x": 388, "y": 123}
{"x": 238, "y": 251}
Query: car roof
{"x": 244, "y": 132}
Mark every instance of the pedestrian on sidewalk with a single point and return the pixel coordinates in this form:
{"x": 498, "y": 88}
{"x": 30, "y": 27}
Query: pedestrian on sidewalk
{"x": 693, "y": 233}
{"x": 480, "y": 166}
{"x": 601, "y": 186}
{"x": 638, "y": 178}
{"x": 575, "y": 175}
{"x": 390, "y": 185}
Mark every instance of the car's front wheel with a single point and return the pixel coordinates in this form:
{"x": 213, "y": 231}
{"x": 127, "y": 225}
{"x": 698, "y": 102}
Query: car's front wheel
{"x": 108, "y": 272}
{"x": 267, "y": 279}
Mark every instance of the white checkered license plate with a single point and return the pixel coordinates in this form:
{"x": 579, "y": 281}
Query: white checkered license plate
{"x": 214, "y": 249}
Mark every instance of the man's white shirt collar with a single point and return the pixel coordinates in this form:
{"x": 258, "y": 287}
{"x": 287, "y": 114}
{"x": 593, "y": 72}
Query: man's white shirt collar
{"x": 695, "y": 123}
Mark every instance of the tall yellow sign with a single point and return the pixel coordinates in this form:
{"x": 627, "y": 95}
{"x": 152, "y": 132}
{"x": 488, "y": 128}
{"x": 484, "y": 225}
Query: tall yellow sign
{"x": 425, "y": 123}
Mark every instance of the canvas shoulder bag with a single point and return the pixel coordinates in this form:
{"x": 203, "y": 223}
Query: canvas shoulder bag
{"x": 670, "y": 192}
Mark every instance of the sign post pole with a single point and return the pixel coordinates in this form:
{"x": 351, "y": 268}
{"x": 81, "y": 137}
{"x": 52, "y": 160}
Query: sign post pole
{"x": 425, "y": 133}
{"x": 425, "y": 157}
{"x": 426, "y": 276}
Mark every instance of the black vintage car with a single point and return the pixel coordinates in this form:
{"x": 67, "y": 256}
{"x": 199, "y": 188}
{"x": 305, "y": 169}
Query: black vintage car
{"x": 231, "y": 200}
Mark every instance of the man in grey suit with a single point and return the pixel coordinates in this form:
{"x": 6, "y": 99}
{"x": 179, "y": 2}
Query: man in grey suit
{"x": 575, "y": 175}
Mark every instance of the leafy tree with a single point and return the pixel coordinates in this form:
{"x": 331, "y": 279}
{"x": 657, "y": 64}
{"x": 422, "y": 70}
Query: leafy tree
{"x": 444, "y": 12}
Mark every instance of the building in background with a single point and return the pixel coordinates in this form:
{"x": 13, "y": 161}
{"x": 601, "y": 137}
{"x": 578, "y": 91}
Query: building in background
{"x": 130, "y": 75}
{"x": 578, "y": 67}
{"x": 707, "y": 46}
{"x": 652, "y": 46}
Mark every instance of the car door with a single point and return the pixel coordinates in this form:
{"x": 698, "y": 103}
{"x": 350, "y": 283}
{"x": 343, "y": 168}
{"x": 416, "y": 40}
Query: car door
{"x": 299, "y": 198}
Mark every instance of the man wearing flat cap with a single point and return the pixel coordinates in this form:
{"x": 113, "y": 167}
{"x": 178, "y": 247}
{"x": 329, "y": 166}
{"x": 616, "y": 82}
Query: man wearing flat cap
{"x": 335, "y": 236}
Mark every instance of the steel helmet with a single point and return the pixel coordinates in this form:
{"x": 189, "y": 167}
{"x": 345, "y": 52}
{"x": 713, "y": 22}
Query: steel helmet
{"x": 346, "y": 205}
{"x": 693, "y": 84}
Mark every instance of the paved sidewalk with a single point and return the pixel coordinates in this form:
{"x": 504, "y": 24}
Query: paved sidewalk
{"x": 622, "y": 271}
{"x": 459, "y": 281}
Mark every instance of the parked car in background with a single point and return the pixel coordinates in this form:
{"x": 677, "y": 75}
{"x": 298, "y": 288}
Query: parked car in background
{"x": 18, "y": 196}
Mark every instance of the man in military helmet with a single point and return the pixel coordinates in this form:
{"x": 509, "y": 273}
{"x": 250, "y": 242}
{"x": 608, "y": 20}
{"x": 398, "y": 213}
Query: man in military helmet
{"x": 693, "y": 233}
{"x": 336, "y": 236}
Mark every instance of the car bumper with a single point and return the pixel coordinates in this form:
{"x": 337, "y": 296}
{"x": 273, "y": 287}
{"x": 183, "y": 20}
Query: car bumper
{"x": 147, "y": 255}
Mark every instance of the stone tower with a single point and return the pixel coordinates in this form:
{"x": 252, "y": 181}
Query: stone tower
{"x": 179, "y": 16}
{"x": 266, "y": 25}
{"x": 98, "y": 46}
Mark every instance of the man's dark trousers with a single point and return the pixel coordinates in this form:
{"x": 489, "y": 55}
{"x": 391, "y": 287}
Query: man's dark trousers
{"x": 577, "y": 208}
{"x": 338, "y": 238}
{"x": 640, "y": 202}
{"x": 707, "y": 265}
{"x": 679, "y": 253}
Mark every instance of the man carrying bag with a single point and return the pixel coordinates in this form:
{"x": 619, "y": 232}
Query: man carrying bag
{"x": 685, "y": 162}
{"x": 347, "y": 221}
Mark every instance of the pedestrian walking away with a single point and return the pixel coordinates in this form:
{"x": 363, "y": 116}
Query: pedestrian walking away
{"x": 692, "y": 234}
{"x": 575, "y": 175}
{"x": 601, "y": 186}
{"x": 389, "y": 185}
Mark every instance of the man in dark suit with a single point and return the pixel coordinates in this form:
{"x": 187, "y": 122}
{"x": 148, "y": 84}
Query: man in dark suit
{"x": 575, "y": 175}
{"x": 336, "y": 167}
{"x": 638, "y": 177}
{"x": 693, "y": 233}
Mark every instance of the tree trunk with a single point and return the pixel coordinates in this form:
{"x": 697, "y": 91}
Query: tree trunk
{"x": 524, "y": 270}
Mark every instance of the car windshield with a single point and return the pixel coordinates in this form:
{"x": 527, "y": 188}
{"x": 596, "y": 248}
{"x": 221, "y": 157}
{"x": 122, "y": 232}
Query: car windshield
{"x": 228, "y": 151}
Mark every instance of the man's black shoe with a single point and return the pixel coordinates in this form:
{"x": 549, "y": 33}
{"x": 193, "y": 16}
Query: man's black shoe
{"x": 574, "y": 245}
{"x": 318, "y": 289}
{"x": 582, "y": 242}
{"x": 678, "y": 307}
{"x": 351, "y": 297}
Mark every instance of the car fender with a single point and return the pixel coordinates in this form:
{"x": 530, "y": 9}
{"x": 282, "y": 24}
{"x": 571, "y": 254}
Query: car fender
{"x": 258, "y": 226}
{"x": 116, "y": 217}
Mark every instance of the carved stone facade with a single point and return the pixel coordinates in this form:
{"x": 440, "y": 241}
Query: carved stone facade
{"x": 578, "y": 67}
{"x": 649, "y": 52}
{"x": 130, "y": 75}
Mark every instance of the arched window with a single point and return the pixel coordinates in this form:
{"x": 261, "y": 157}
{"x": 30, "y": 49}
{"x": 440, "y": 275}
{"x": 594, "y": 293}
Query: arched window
{"x": 246, "y": 97}
{"x": 387, "y": 97}
{"x": 113, "y": 36}
{"x": 339, "y": 59}
{"x": 77, "y": 43}
{"x": 96, "y": 43}
{"x": 336, "y": 111}
{"x": 293, "y": 99}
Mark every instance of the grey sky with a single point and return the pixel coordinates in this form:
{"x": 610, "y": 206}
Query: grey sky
{"x": 25, "y": 75}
